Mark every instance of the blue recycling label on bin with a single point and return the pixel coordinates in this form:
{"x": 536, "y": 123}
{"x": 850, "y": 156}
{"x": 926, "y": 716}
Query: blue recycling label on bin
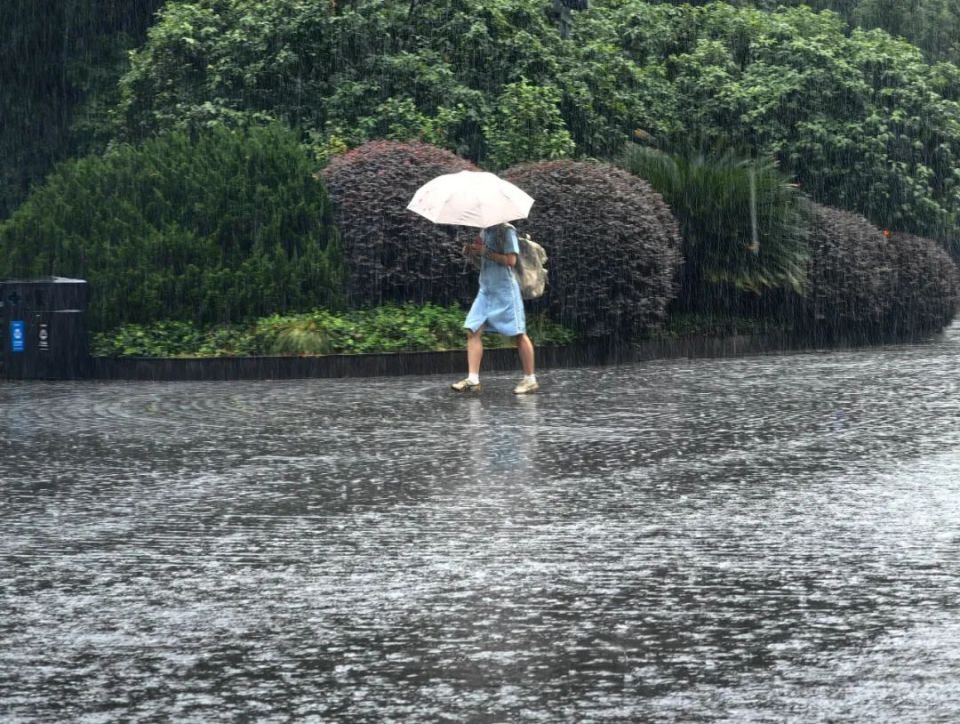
{"x": 17, "y": 333}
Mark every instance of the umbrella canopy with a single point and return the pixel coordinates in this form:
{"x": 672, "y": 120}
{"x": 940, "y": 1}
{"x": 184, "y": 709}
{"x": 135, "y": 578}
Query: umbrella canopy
{"x": 470, "y": 198}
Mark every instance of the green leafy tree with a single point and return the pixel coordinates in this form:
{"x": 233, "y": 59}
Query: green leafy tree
{"x": 931, "y": 25}
{"x": 215, "y": 228}
{"x": 859, "y": 119}
{"x": 59, "y": 66}
{"x": 399, "y": 70}
{"x": 527, "y": 126}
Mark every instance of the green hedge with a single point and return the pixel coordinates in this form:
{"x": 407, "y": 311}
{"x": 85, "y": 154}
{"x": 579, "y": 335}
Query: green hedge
{"x": 216, "y": 227}
{"x": 390, "y": 328}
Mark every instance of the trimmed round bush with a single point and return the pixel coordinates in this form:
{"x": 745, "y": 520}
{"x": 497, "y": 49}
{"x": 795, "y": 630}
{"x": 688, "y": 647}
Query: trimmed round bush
{"x": 928, "y": 286}
{"x": 217, "y": 227}
{"x": 612, "y": 243}
{"x": 852, "y": 277}
{"x": 392, "y": 254}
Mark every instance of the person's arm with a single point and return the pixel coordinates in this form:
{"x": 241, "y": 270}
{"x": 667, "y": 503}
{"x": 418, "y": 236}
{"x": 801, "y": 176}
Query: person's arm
{"x": 501, "y": 259}
{"x": 511, "y": 249}
{"x": 478, "y": 248}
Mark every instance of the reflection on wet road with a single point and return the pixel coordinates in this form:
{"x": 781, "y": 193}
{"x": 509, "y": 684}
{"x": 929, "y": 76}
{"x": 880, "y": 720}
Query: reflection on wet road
{"x": 763, "y": 539}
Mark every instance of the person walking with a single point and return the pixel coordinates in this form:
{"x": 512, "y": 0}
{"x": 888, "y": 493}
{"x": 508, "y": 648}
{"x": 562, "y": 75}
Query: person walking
{"x": 498, "y": 306}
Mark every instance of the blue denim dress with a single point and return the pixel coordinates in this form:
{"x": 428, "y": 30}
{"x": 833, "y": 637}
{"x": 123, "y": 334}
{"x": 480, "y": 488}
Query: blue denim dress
{"x": 499, "y": 304}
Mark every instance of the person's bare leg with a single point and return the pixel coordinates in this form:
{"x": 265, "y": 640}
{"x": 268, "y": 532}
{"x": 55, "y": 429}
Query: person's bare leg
{"x": 474, "y": 351}
{"x": 525, "y": 348}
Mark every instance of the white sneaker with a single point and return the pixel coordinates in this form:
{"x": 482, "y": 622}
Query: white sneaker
{"x": 465, "y": 385}
{"x": 526, "y": 388}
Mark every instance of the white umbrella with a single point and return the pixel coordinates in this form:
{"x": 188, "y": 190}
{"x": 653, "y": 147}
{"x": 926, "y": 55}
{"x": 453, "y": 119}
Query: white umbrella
{"x": 470, "y": 198}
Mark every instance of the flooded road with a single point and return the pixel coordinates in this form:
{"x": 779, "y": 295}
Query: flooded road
{"x": 746, "y": 540}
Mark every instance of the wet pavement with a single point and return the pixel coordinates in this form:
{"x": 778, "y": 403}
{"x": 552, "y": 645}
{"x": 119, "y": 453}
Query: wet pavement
{"x": 747, "y": 540}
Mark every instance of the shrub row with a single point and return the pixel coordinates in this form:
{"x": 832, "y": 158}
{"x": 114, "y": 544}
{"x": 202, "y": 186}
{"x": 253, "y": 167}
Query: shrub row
{"x": 390, "y": 328}
{"x": 613, "y": 243}
{"x": 614, "y": 246}
{"x": 927, "y": 294}
{"x": 853, "y": 273}
{"x": 227, "y": 227}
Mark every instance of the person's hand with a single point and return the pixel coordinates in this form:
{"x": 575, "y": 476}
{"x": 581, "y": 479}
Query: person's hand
{"x": 475, "y": 248}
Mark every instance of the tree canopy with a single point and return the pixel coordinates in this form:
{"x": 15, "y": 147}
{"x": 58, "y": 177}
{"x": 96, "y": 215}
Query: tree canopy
{"x": 859, "y": 118}
{"x": 931, "y": 25}
{"x": 59, "y": 67}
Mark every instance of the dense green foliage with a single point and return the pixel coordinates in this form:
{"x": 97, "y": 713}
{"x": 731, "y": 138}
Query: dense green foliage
{"x": 59, "y": 66}
{"x": 741, "y": 223}
{"x": 439, "y": 71}
{"x": 404, "y": 328}
{"x": 392, "y": 254}
{"x": 853, "y": 276}
{"x": 527, "y": 125}
{"x": 218, "y": 228}
{"x": 612, "y": 243}
{"x": 931, "y": 25}
{"x": 858, "y": 118}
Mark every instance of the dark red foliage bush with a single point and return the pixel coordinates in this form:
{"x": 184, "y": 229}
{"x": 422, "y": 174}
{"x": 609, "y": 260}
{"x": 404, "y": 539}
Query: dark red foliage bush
{"x": 612, "y": 243}
{"x": 852, "y": 278}
{"x": 392, "y": 254}
{"x": 928, "y": 286}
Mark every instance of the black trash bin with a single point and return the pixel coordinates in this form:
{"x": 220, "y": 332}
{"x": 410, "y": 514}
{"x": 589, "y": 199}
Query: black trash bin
{"x": 42, "y": 329}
